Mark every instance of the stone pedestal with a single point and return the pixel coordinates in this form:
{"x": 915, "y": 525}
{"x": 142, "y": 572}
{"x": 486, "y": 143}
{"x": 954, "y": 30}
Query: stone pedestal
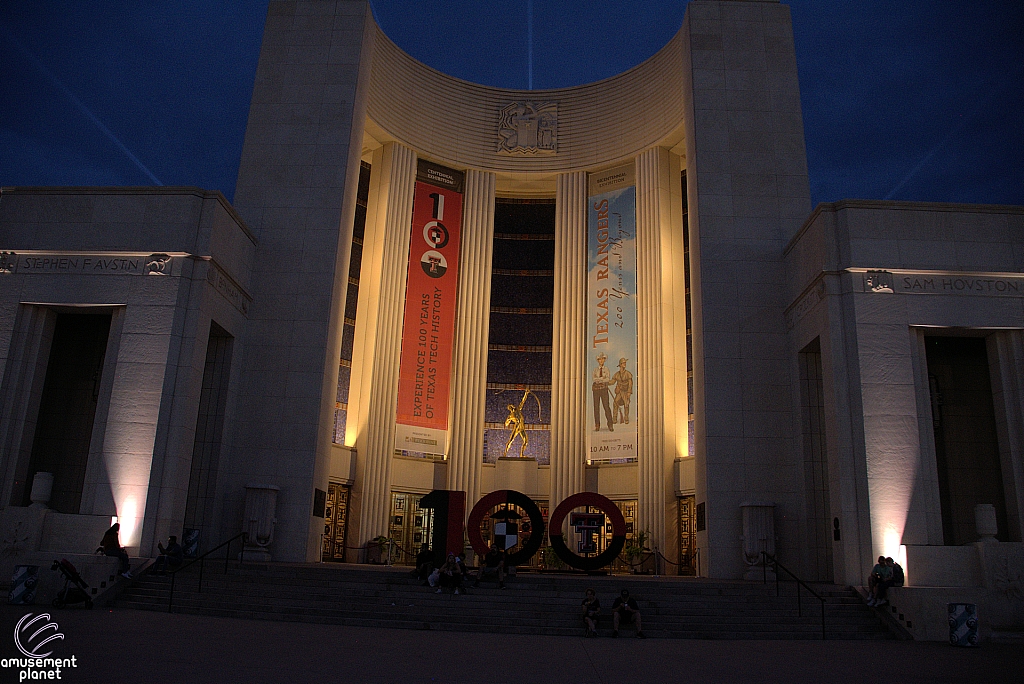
{"x": 42, "y": 488}
{"x": 758, "y": 536}
{"x": 519, "y": 474}
{"x": 984, "y": 521}
{"x": 258, "y": 525}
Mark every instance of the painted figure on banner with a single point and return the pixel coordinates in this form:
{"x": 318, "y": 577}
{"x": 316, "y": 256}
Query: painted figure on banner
{"x": 517, "y": 423}
{"x": 623, "y": 380}
{"x": 611, "y": 313}
{"x": 602, "y": 379}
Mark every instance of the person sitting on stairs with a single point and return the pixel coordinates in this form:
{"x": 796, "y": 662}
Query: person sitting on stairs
{"x": 625, "y": 611}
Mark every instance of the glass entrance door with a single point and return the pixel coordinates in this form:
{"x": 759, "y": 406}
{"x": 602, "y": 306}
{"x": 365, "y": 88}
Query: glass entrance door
{"x": 409, "y": 528}
{"x": 687, "y": 535}
{"x": 335, "y": 523}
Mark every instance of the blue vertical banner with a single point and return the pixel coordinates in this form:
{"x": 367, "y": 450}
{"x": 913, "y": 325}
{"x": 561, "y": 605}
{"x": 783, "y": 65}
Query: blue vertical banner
{"x": 611, "y": 316}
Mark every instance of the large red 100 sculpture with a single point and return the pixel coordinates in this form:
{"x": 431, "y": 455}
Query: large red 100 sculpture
{"x": 447, "y": 532}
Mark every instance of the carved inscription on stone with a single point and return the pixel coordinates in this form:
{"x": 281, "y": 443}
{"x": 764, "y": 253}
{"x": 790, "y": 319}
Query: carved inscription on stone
{"x": 943, "y": 284}
{"x": 92, "y": 264}
{"x": 74, "y": 263}
{"x": 227, "y": 287}
{"x": 803, "y": 305}
{"x": 528, "y": 128}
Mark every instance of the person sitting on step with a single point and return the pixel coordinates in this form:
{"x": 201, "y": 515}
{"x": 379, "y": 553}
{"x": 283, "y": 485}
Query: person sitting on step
{"x": 110, "y": 545}
{"x": 493, "y": 565}
{"x": 424, "y": 563}
{"x": 879, "y": 573}
{"x": 451, "y": 575}
{"x": 591, "y": 608}
{"x": 895, "y": 579}
{"x": 170, "y": 558}
{"x": 625, "y": 611}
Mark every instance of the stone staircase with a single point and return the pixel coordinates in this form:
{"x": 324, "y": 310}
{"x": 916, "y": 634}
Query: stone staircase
{"x": 373, "y": 596}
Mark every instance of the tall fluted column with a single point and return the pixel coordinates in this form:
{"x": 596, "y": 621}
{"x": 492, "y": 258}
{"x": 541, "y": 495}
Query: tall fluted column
{"x": 374, "y": 385}
{"x": 568, "y": 348}
{"x": 654, "y": 340}
{"x": 469, "y": 357}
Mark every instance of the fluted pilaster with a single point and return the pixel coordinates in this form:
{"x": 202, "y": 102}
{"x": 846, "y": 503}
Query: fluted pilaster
{"x": 568, "y": 352}
{"x": 469, "y": 356}
{"x": 650, "y": 380}
{"x": 376, "y": 355}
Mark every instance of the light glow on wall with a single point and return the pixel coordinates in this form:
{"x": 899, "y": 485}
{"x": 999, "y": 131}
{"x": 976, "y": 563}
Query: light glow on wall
{"x": 891, "y": 543}
{"x": 127, "y": 514}
{"x": 902, "y": 560}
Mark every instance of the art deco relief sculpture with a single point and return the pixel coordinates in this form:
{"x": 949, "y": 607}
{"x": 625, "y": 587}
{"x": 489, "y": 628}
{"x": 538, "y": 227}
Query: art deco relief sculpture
{"x": 528, "y": 128}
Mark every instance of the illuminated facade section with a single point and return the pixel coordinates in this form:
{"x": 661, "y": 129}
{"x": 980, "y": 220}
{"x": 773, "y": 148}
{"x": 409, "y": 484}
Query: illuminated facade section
{"x": 763, "y": 356}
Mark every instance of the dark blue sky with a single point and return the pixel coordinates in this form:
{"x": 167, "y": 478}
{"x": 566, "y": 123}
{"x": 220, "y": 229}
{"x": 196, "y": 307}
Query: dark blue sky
{"x": 918, "y": 100}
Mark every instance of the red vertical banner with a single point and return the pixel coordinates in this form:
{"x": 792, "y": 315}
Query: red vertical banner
{"x": 429, "y": 329}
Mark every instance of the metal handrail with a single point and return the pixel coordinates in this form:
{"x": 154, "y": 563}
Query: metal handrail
{"x": 202, "y": 561}
{"x": 766, "y": 558}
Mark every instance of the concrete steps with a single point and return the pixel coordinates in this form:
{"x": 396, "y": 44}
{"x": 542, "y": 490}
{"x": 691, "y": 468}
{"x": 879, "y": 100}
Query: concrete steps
{"x": 533, "y": 603}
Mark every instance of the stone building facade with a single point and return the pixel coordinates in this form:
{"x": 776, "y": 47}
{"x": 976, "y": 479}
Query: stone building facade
{"x": 789, "y": 367}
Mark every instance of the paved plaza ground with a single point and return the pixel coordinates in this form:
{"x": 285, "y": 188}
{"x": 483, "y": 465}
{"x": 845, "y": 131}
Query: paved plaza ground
{"x": 120, "y": 646}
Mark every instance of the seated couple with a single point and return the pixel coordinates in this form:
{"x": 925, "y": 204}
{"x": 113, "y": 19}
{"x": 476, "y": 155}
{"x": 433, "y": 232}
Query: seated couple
{"x": 885, "y": 574}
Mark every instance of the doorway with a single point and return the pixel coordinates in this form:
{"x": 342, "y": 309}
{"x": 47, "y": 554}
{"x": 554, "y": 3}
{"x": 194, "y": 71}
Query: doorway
{"x": 335, "y": 523}
{"x": 966, "y": 444}
{"x": 67, "y": 407}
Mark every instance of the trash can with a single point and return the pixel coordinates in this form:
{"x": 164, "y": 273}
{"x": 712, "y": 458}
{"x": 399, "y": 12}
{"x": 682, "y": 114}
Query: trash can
{"x": 963, "y": 624}
{"x": 23, "y": 584}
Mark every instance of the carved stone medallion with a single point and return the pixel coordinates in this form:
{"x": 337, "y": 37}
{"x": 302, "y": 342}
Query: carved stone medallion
{"x": 528, "y": 128}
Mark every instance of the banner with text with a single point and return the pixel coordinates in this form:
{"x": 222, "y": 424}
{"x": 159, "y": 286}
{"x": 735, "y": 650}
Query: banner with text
{"x": 611, "y": 314}
{"x": 429, "y": 328}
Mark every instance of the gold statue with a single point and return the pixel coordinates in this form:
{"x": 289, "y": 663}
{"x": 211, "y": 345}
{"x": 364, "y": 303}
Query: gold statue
{"x": 517, "y": 422}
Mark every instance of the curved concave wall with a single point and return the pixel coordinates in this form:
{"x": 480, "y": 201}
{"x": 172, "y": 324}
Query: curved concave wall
{"x": 455, "y": 121}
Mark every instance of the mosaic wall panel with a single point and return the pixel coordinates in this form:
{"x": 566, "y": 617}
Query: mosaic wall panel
{"x": 343, "y": 382}
{"x": 351, "y": 301}
{"x": 529, "y": 329}
{"x": 496, "y": 410}
{"x": 356, "y": 261}
{"x": 538, "y": 446}
{"x": 348, "y": 336}
{"x": 340, "y": 416}
{"x": 524, "y": 254}
{"x": 519, "y": 368}
{"x": 523, "y": 278}
{"x": 522, "y": 291}
{"x": 525, "y": 217}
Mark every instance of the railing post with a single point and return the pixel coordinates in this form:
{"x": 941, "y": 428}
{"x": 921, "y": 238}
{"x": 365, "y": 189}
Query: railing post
{"x": 799, "y": 608}
{"x": 227, "y": 556}
{"x": 202, "y": 562}
{"x": 170, "y": 599}
{"x": 764, "y": 568}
